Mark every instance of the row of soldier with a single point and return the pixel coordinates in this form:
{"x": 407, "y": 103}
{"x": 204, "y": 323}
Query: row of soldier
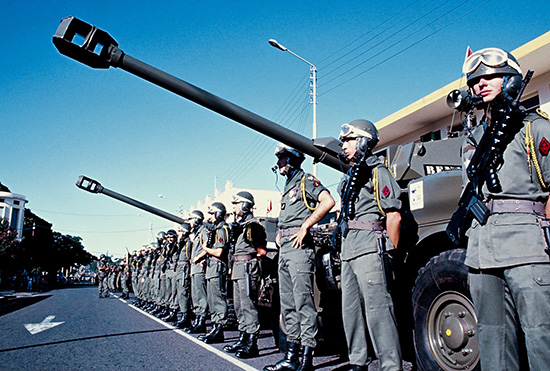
{"x": 187, "y": 273}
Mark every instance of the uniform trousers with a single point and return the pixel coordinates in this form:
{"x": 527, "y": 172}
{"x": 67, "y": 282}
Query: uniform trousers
{"x": 367, "y": 308}
{"x": 296, "y": 270}
{"x": 509, "y": 301}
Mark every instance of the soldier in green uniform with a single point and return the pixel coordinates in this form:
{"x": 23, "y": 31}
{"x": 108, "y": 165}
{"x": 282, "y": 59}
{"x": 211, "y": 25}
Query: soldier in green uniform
{"x": 367, "y": 307}
{"x": 305, "y": 201}
{"x": 170, "y": 273}
{"x": 198, "y": 281}
{"x": 509, "y": 272}
{"x": 125, "y": 277}
{"x": 102, "y": 271}
{"x": 182, "y": 284}
{"x": 246, "y": 274}
{"x": 217, "y": 251}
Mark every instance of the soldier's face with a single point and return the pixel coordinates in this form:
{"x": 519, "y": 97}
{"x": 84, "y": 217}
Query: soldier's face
{"x": 237, "y": 208}
{"x": 349, "y": 147}
{"x": 282, "y": 164}
{"x": 489, "y": 88}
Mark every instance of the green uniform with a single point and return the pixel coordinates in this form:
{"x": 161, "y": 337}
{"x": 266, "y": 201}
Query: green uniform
{"x": 182, "y": 283}
{"x": 509, "y": 269}
{"x": 297, "y": 266}
{"x": 216, "y": 271}
{"x": 246, "y": 273}
{"x": 198, "y": 281}
{"x": 102, "y": 270}
{"x": 367, "y": 307}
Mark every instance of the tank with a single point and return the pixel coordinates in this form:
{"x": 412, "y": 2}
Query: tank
{"x": 436, "y": 317}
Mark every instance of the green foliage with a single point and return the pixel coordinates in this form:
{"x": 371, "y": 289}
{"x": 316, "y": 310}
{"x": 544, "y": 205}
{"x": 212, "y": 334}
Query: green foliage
{"x": 8, "y": 243}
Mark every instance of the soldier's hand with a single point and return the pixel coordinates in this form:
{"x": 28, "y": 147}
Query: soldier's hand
{"x": 298, "y": 238}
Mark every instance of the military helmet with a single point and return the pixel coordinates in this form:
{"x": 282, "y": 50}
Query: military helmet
{"x": 245, "y": 199}
{"x": 489, "y": 62}
{"x": 161, "y": 235}
{"x": 364, "y": 131}
{"x": 102, "y": 256}
{"x": 197, "y": 214}
{"x": 296, "y": 156}
{"x": 218, "y": 210}
{"x": 171, "y": 233}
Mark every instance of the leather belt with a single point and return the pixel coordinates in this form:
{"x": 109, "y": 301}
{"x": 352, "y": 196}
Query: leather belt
{"x": 244, "y": 258}
{"x": 502, "y": 206}
{"x": 289, "y": 231}
{"x": 369, "y": 225}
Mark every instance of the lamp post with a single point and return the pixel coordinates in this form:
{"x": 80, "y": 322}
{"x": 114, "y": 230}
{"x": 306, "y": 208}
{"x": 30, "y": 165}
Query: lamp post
{"x": 313, "y": 85}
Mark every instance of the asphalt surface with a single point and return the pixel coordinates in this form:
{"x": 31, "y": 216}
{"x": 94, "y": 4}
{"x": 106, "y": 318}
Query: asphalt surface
{"x": 72, "y": 329}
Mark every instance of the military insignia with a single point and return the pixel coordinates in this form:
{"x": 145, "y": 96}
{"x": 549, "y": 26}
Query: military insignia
{"x": 316, "y": 183}
{"x": 310, "y": 177}
{"x": 386, "y": 191}
{"x": 544, "y": 146}
{"x": 220, "y": 240}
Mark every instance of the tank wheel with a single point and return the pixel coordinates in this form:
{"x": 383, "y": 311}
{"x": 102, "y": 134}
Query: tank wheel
{"x": 445, "y": 329}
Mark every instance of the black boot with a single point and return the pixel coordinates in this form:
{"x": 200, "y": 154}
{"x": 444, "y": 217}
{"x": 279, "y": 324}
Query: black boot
{"x": 290, "y": 362}
{"x": 163, "y": 313}
{"x": 250, "y": 350}
{"x": 199, "y": 327}
{"x": 171, "y": 316}
{"x": 215, "y": 335}
{"x": 233, "y": 348}
{"x": 307, "y": 360}
{"x": 184, "y": 322}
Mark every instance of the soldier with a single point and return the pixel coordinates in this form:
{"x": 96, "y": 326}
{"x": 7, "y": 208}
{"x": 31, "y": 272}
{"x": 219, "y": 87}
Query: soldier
{"x": 246, "y": 274}
{"x": 198, "y": 281}
{"x": 182, "y": 283}
{"x": 509, "y": 271}
{"x": 170, "y": 302}
{"x": 304, "y": 203}
{"x": 124, "y": 278}
{"x": 217, "y": 250}
{"x": 367, "y": 307}
{"x": 102, "y": 271}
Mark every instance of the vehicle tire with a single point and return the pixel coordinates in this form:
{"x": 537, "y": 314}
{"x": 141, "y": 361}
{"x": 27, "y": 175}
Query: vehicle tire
{"x": 445, "y": 322}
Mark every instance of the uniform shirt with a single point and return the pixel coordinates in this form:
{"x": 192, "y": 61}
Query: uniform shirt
{"x": 183, "y": 254}
{"x": 361, "y": 242}
{"x": 221, "y": 241}
{"x": 293, "y": 208}
{"x": 197, "y": 237}
{"x": 252, "y": 236}
{"x": 512, "y": 239}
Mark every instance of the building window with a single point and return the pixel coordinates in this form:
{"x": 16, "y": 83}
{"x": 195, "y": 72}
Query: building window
{"x": 14, "y": 218}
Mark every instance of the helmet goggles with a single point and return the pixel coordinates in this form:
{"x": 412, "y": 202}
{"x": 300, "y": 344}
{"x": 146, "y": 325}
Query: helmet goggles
{"x": 491, "y": 57}
{"x": 351, "y": 132}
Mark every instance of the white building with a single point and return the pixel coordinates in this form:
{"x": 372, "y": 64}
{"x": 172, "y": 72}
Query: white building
{"x": 12, "y": 208}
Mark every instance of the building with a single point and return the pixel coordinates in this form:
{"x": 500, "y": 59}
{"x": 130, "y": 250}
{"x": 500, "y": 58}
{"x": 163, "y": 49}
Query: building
{"x": 12, "y": 208}
{"x": 430, "y": 117}
{"x": 267, "y": 202}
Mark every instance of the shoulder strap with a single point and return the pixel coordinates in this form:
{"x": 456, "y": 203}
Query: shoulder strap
{"x": 532, "y": 154}
{"x": 303, "y": 187}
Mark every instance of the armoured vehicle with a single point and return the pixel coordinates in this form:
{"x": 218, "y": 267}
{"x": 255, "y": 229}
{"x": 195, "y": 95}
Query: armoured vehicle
{"x": 436, "y": 316}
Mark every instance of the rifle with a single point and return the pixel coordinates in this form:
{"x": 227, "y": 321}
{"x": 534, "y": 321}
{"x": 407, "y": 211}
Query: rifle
{"x": 486, "y": 161}
{"x": 349, "y": 196}
{"x": 386, "y": 264}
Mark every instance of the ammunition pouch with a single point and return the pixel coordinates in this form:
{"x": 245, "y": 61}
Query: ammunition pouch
{"x": 331, "y": 270}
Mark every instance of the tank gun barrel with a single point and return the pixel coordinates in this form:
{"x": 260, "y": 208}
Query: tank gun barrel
{"x": 97, "y": 49}
{"x": 94, "y": 186}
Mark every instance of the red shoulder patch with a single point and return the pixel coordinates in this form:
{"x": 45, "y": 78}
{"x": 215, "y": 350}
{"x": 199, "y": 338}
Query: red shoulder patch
{"x": 220, "y": 240}
{"x": 316, "y": 183}
{"x": 544, "y": 146}
{"x": 386, "y": 191}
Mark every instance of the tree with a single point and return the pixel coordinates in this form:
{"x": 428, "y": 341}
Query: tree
{"x": 8, "y": 242}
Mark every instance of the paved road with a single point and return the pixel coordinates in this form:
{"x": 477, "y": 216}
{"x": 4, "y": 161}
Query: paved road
{"x": 74, "y": 330}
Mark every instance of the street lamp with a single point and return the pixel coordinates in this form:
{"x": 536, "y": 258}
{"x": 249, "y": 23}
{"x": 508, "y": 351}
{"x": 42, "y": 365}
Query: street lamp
{"x": 313, "y": 84}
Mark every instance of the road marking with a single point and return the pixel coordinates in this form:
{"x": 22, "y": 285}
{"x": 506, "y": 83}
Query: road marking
{"x": 35, "y": 328}
{"x": 210, "y": 348}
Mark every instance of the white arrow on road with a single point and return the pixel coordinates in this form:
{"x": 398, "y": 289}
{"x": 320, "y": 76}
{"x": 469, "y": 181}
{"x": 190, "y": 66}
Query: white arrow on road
{"x": 35, "y": 328}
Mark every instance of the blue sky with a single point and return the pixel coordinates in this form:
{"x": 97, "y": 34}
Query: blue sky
{"x": 61, "y": 119}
